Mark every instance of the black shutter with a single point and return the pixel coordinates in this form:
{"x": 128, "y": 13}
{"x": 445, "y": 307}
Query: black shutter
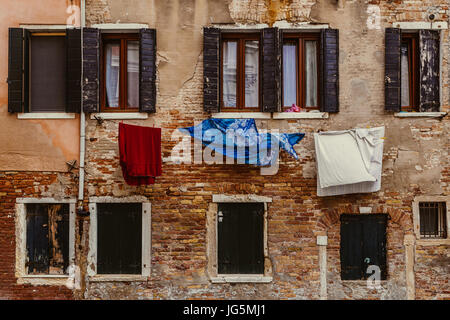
{"x": 330, "y": 70}
{"x": 37, "y": 239}
{"x": 240, "y": 235}
{"x": 429, "y": 70}
{"x": 392, "y": 75}
{"x": 91, "y": 64}
{"x": 147, "y": 71}
{"x": 211, "y": 73}
{"x": 15, "y": 67}
{"x": 374, "y": 244}
{"x": 119, "y": 238}
{"x": 73, "y": 90}
{"x": 271, "y": 75}
{"x": 351, "y": 247}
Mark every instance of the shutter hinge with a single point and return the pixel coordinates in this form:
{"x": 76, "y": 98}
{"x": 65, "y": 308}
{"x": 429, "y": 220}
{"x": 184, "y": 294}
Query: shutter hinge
{"x": 220, "y": 216}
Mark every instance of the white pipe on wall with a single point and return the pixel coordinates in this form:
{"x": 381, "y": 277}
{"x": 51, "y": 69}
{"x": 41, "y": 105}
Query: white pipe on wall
{"x": 82, "y": 119}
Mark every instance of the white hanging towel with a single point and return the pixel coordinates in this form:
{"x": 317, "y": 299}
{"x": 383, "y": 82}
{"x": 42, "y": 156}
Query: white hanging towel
{"x": 349, "y": 161}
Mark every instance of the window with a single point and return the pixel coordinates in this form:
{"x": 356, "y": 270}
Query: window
{"x": 410, "y": 72}
{"x": 433, "y": 222}
{"x": 363, "y": 244}
{"x": 240, "y": 238}
{"x": 47, "y": 72}
{"x": 301, "y": 70}
{"x": 240, "y": 72}
{"x": 120, "y": 239}
{"x": 120, "y": 85}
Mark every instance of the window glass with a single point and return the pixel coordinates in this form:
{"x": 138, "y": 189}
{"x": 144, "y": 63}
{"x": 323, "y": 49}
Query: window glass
{"x": 405, "y": 76}
{"x": 289, "y": 74}
{"x": 251, "y": 73}
{"x": 311, "y": 73}
{"x": 47, "y": 74}
{"x": 112, "y": 80}
{"x": 133, "y": 74}
{"x": 229, "y": 73}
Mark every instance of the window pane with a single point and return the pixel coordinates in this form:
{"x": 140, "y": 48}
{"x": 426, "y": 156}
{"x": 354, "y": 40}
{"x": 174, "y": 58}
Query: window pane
{"x": 289, "y": 74}
{"x": 112, "y": 74}
{"x": 133, "y": 74}
{"x": 311, "y": 73}
{"x": 405, "y": 76}
{"x": 251, "y": 73}
{"x": 47, "y": 74}
{"x": 229, "y": 73}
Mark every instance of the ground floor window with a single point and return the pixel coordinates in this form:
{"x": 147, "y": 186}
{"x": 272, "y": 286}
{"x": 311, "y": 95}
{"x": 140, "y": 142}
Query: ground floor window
{"x": 363, "y": 246}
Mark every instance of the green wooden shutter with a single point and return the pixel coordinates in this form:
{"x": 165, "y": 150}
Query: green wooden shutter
{"x": 374, "y": 243}
{"x": 351, "y": 247}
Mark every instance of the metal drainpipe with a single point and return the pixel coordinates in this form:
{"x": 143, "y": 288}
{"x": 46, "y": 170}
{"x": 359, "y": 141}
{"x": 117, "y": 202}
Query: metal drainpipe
{"x": 82, "y": 119}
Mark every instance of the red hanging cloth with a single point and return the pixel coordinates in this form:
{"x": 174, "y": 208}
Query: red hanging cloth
{"x": 140, "y": 154}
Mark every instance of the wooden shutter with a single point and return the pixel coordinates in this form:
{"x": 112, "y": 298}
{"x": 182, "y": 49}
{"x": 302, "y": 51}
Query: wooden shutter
{"x": 147, "y": 71}
{"x": 330, "y": 70}
{"x": 73, "y": 73}
{"x": 374, "y": 243}
{"x": 240, "y": 238}
{"x": 91, "y": 64}
{"x": 429, "y": 70}
{"x": 15, "y": 67}
{"x": 392, "y": 75}
{"x": 351, "y": 247}
{"x": 271, "y": 74}
{"x": 211, "y": 74}
{"x": 119, "y": 238}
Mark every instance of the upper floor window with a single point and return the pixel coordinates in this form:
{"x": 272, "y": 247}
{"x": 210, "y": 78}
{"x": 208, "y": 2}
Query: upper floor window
{"x": 410, "y": 72}
{"x": 240, "y": 72}
{"x": 301, "y": 70}
{"x": 120, "y": 64}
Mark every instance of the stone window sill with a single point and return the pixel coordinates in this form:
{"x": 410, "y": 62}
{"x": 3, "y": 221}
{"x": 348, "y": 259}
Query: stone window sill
{"x": 241, "y": 115}
{"x": 50, "y": 280}
{"x": 433, "y": 242}
{"x": 45, "y": 115}
{"x": 120, "y": 115}
{"x": 116, "y": 278}
{"x": 300, "y": 115}
{"x": 241, "y": 278}
{"x": 419, "y": 114}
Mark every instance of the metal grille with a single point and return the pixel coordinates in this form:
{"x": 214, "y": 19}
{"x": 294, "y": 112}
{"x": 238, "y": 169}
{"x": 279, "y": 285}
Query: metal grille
{"x": 433, "y": 222}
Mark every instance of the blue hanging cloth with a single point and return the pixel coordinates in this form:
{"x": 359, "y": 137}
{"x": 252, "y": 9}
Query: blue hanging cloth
{"x": 239, "y": 139}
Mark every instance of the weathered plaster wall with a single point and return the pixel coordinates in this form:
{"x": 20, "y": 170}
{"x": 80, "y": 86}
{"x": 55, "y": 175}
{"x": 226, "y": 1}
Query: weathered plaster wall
{"x": 34, "y": 145}
{"x": 415, "y": 156}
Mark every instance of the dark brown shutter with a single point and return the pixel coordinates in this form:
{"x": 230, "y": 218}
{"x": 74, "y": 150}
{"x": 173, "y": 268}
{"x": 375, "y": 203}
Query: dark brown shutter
{"x": 330, "y": 70}
{"x": 147, "y": 71}
{"x": 73, "y": 75}
{"x": 91, "y": 64}
{"x": 429, "y": 70}
{"x": 271, "y": 75}
{"x": 15, "y": 67}
{"x": 351, "y": 247}
{"x": 374, "y": 244}
{"x": 211, "y": 74}
{"x": 392, "y": 75}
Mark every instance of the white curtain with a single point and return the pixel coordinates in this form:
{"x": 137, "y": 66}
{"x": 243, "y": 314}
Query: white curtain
{"x": 133, "y": 74}
{"x": 251, "y": 73}
{"x": 112, "y": 74}
{"x": 311, "y": 73}
{"x": 405, "y": 77}
{"x": 289, "y": 74}
{"x": 229, "y": 73}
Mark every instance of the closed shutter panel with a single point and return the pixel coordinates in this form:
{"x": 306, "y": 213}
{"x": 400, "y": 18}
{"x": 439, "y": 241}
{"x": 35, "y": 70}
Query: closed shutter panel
{"x": 271, "y": 74}
{"x": 330, "y": 70}
{"x": 351, "y": 247}
{"x": 37, "y": 239}
{"x": 211, "y": 74}
{"x": 147, "y": 71}
{"x": 374, "y": 244}
{"x": 15, "y": 66}
{"x": 73, "y": 91}
{"x": 228, "y": 240}
{"x": 429, "y": 70}
{"x": 392, "y": 80}
{"x": 251, "y": 254}
{"x": 91, "y": 56}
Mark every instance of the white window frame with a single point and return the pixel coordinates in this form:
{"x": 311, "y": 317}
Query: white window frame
{"x": 416, "y": 219}
{"x": 21, "y": 242}
{"x": 146, "y": 240}
{"x": 212, "y": 241}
